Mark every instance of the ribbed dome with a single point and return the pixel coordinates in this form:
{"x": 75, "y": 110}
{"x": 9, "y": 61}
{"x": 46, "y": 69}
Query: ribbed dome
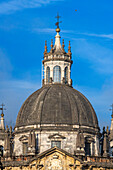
{"x": 57, "y": 104}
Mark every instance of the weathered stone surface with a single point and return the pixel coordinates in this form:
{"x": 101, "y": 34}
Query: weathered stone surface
{"x": 57, "y": 104}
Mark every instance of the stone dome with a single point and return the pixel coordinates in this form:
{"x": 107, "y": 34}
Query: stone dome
{"x": 56, "y": 105}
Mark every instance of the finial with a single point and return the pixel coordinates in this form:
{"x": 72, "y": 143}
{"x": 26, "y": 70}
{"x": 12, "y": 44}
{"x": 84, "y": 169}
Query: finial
{"x": 107, "y": 129}
{"x": 63, "y": 45}
{"x": 57, "y": 23}
{"x": 45, "y": 51}
{"x": 2, "y": 108}
{"x": 69, "y": 49}
{"x": 51, "y": 45}
{"x": 7, "y": 129}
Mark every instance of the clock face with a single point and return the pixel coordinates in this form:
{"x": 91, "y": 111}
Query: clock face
{"x": 54, "y": 164}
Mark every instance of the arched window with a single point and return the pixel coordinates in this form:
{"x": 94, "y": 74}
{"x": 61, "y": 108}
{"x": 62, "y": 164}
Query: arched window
{"x": 66, "y": 74}
{"x": 57, "y": 74}
{"x": 47, "y": 74}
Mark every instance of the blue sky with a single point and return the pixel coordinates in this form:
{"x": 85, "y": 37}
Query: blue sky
{"x": 24, "y": 27}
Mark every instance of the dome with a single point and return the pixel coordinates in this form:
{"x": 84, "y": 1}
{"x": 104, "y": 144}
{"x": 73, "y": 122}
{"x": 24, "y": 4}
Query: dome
{"x": 57, "y": 104}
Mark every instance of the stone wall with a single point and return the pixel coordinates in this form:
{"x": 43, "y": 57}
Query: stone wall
{"x": 44, "y": 138}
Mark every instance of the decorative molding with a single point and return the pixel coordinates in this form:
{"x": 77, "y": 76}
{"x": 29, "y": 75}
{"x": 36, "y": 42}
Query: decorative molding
{"x": 56, "y": 136}
{"x": 23, "y": 138}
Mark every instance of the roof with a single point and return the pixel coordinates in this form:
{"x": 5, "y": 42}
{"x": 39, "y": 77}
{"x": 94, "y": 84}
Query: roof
{"x": 58, "y": 105}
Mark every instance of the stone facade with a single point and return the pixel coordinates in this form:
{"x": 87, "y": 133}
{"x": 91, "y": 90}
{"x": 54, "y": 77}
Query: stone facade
{"x": 45, "y": 138}
{"x": 58, "y": 159}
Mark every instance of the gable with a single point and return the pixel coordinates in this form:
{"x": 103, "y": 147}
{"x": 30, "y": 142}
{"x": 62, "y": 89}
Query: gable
{"x": 55, "y": 158}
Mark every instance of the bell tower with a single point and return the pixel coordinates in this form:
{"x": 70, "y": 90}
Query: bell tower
{"x": 57, "y": 63}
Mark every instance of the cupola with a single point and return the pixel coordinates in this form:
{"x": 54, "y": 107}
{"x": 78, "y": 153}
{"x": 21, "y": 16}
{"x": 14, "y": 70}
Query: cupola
{"x": 57, "y": 63}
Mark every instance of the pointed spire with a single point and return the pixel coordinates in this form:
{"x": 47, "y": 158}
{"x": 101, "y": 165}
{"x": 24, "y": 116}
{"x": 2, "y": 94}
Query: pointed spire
{"x": 45, "y": 51}
{"x": 51, "y": 45}
{"x": 69, "y": 49}
{"x": 57, "y": 45}
{"x": 107, "y": 130}
{"x": 63, "y": 45}
{"x": 2, "y": 125}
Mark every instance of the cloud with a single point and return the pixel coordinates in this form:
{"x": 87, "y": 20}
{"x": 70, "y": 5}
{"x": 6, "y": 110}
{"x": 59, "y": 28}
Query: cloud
{"x": 100, "y": 58}
{"x": 20, "y": 84}
{"x": 47, "y": 30}
{"x": 44, "y": 30}
{"x": 5, "y": 66}
{"x": 101, "y": 99}
{"x": 16, "y": 5}
{"x": 13, "y": 93}
{"x": 71, "y": 32}
{"x": 109, "y": 36}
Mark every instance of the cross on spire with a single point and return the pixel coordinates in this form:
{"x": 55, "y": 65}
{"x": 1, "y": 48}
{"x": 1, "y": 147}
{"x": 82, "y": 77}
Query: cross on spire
{"x": 2, "y": 108}
{"x": 111, "y": 110}
{"x": 57, "y": 23}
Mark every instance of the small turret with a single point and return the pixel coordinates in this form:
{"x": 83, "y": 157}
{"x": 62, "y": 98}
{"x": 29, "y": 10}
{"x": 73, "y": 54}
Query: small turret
{"x": 51, "y": 45}
{"x": 69, "y": 50}
{"x": 63, "y": 45}
{"x": 57, "y": 63}
{"x": 45, "y": 51}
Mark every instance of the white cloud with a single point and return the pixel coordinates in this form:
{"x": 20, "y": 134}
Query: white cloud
{"x": 44, "y": 30}
{"x": 16, "y": 5}
{"x": 13, "y": 93}
{"x": 109, "y": 36}
{"x": 101, "y": 99}
{"x": 5, "y": 66}
{"x": 20, "y": 84}
{"x": 100, "y": 58}
{"x": 47, "y": 30}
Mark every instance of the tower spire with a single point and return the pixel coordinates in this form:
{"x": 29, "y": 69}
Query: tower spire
{"x": 63, "y": 45}
{"x": 51, "y": 45}
{"x": 69, "y": 49}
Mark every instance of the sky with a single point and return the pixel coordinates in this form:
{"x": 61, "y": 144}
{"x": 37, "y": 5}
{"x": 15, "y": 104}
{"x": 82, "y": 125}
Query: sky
{"x": 24, "y": 27}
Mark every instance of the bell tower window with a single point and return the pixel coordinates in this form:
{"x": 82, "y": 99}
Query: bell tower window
{"x": 57, "y": 74}
{"x": 47, "y": 74}
{"x": 66, "y": 74}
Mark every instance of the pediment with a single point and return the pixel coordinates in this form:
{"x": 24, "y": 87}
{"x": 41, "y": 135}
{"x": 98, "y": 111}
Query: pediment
{"x": 23, "y": 138}
{"x": 56, "y": 136}
{"x": 54, "y": 158}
